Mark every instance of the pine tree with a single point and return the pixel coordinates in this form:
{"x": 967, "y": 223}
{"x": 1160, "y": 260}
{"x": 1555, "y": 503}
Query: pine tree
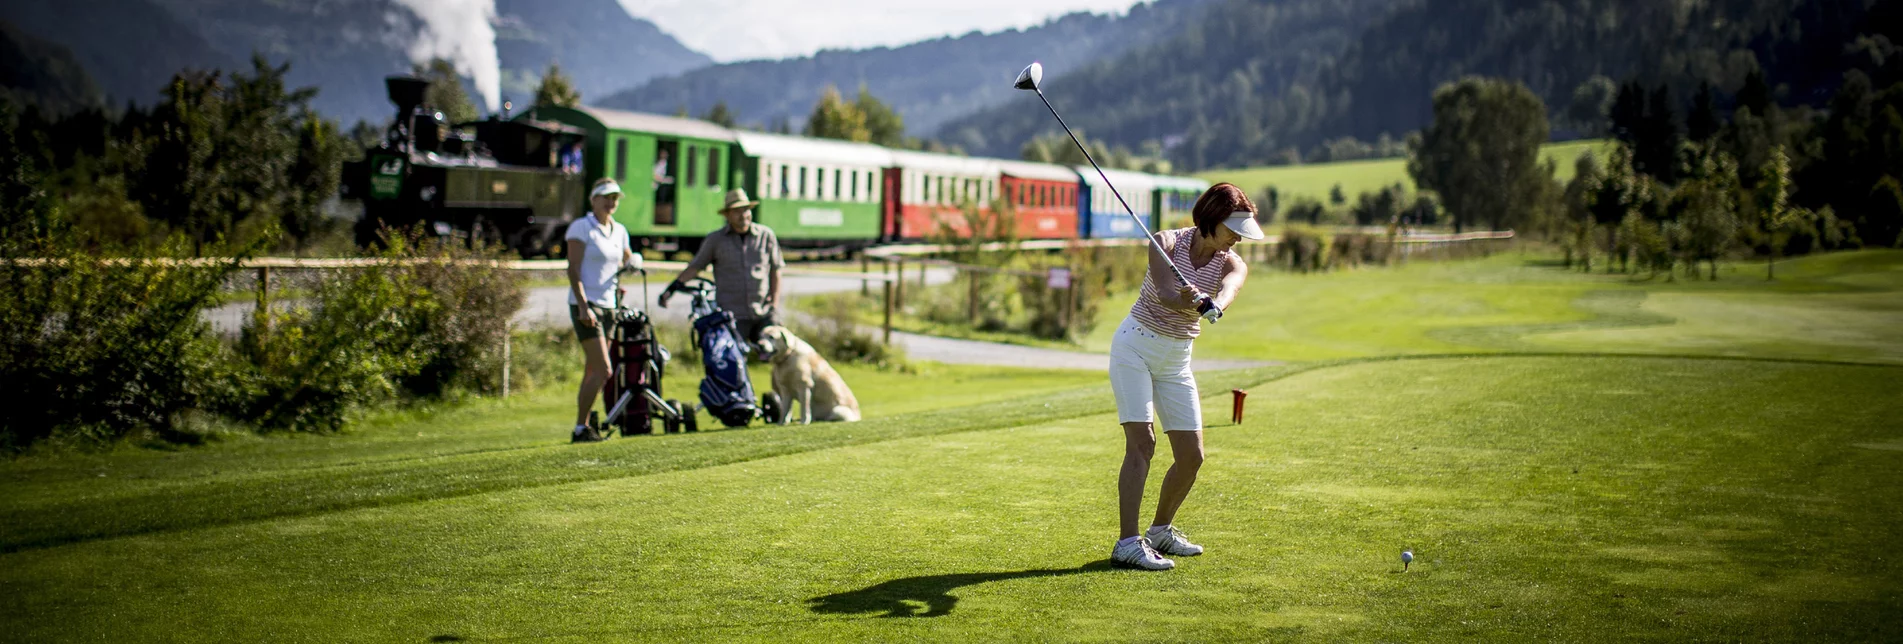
{"x": 1701, "y": 124}
{"x": 556, "y": 89}
{"x": 884, "y": 126}
{"x": 720, "y": 115}
{"x": 446, "y": 92}
{"x": 834, "y": 118}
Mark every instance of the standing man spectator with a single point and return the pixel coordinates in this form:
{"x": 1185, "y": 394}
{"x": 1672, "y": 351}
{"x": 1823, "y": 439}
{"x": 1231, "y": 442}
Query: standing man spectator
{"x": 747, "y": 262}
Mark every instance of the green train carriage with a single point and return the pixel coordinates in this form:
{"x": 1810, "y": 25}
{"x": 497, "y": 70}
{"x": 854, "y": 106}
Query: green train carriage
{"x": 696, "y": 158}
{"x": 814, "y": 193}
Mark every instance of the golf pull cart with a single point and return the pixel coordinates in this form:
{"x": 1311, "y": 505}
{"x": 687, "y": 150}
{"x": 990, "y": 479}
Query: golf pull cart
{"x": 636, "y": 362}
{"x": 726, "y": 392}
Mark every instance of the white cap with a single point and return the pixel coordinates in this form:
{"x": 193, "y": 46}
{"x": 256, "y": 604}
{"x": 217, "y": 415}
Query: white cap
{"x": 1243, "y": 222}
{"x": 606, "y": 188}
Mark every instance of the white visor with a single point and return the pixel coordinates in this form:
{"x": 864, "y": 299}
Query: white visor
{"x": 609, "y": 188}
{"x": 1243, "y": 222}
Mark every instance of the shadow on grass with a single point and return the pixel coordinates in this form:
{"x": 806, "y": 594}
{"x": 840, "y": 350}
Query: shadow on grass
{"x": 901, "y": 597}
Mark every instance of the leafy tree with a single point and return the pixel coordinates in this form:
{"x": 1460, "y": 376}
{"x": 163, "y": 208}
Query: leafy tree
{"x": 720, "y": 115}
{"x": 446, "y": 92}
{"x": 1708, "y": 211}
{"x": 1377, "y": 207}
{"x": 1780, "y": 219}
{"x": 884, "y": 126}
{"x": 184, "y": 172}
{"x": 1482, "y": 150}
{"x": 1335, "y": 196}
{"x": 834, "y": 118}
{"x": 312, "y": 178}
{"x": 1755, "y": 95}
{"x": 1576, "y": 231}
{"x": 1592, "y": 106}
{"x": 557, "y": 89}
{"x": 1701, "y": 124}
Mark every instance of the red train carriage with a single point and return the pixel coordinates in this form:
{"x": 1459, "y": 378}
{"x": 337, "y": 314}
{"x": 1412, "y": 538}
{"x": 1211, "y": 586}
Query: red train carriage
{"x": 931, "y": 190}
{"x": 1045, "y": 197}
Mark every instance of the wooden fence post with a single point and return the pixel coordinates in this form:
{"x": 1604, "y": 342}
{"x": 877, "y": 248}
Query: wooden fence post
{"x": 865, "y": 266}
{"x": 508, "y": 336}
{"x": 888, "y": 313}
{"x": 898, "y": 289}
{"x": 972, "y": 300}
{"x": 264, "y": 296}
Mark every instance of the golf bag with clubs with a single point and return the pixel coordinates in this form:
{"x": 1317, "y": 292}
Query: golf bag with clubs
{"x": 637, "y": 361}
{"x": 726, "y": 392}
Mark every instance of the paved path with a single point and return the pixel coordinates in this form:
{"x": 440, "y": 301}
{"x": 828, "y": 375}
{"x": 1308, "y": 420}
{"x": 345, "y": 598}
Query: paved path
{"x": 548, "y": 306}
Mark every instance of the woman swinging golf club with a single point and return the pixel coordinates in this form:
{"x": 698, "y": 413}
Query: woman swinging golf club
{"x": 1149, "y": 367}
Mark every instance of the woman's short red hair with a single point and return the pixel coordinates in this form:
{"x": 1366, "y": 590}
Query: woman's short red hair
{"x": 1216, "y": 204}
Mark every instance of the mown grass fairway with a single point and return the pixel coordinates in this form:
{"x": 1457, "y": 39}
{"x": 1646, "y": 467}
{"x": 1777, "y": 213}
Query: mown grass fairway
{"x": 1743, "y": 483}
{"x": 1840, "y": 306}
{"x": 1368, "y": 175}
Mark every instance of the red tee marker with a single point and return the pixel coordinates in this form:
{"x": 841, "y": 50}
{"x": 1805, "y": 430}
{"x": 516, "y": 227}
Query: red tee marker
{"x": 1238, "y": 395}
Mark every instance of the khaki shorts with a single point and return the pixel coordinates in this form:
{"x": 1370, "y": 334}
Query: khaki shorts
{"x": 584, "y": 332}
{"x": 1149, "y": 372}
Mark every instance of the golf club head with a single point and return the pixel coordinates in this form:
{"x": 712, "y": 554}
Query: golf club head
{"x": 1031, "y": 78}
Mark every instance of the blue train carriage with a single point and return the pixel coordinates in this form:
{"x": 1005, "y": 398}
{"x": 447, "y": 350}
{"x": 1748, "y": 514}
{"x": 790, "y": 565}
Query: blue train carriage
{"x": 814, "y": 193}
{"x": 674, "y": 172}
{"x": 1099, "y": 214}
{"x": 1176, "y": 198}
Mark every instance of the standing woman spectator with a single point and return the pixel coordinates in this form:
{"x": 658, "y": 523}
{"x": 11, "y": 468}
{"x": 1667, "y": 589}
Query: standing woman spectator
{"x": 598, "y": 247}
{"x": 1150, "y": 374}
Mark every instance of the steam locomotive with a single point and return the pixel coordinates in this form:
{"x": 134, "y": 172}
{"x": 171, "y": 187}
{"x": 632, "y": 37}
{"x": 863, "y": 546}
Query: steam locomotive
{"x": 512, "y": 183}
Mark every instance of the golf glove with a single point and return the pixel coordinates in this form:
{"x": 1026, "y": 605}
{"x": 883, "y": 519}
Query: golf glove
{"x": 1210, "y": 311}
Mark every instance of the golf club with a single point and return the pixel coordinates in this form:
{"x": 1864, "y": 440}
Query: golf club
{"x": 1032, "y": 78}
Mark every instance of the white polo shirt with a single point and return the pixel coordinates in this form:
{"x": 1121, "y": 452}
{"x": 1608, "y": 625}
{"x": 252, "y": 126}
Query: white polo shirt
{"x": 602, "y": 250}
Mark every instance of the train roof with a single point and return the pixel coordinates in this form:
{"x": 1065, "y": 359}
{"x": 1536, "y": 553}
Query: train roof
{"x": 657, "y": 124}
{"x": 945, "y": 163}
{"x": 1185, "y": 184}
{"x": 811, "y": 150}
{"x": 1039, "y": 171}
{"x": 1126, "y": 181}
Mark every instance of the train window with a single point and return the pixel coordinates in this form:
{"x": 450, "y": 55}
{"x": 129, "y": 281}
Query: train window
{"x": 785, "y": 182}
{"x": 853, "y": 191}
{"x": 837, "y": 173}
{"x": 713, "y": 168}
{"x": 621, "y": 159}
{"x": 693, "y": 165}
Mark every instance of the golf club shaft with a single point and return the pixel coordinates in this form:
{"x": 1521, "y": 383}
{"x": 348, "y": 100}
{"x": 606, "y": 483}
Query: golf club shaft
{"x": 1113, "y": 190}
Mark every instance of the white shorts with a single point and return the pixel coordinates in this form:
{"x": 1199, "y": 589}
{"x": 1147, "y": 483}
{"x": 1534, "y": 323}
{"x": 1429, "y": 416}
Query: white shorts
{"x": 1151, "y": 370}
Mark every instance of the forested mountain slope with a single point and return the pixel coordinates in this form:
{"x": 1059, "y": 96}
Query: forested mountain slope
{"x": 927, "y": 82}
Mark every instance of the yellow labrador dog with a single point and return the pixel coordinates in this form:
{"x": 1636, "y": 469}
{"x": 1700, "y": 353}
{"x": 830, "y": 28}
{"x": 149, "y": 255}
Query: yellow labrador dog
{"x": 801, "y": 375}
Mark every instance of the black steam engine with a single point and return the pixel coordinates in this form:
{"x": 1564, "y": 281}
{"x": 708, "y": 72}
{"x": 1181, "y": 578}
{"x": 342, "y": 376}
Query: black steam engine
{"x": 514, "y": 183}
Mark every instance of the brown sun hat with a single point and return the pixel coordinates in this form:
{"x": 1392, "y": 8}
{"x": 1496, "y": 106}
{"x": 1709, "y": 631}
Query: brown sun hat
{"x": 737, "y": 199}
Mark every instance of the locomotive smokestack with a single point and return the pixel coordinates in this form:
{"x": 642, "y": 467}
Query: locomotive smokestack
{"x": 407, "y": 92}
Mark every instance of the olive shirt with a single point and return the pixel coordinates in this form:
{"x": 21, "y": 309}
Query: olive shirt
{"x": 742, "y": 262}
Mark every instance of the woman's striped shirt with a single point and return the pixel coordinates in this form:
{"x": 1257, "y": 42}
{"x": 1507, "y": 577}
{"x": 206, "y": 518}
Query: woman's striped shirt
{"x": 1182, "y": 324}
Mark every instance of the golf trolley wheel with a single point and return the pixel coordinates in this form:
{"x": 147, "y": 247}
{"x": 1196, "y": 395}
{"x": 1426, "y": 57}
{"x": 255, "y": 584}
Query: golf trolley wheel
{"x": 770, "y": 408}
{"x": 671, "y": 423}
{"x": 690, "y": 418}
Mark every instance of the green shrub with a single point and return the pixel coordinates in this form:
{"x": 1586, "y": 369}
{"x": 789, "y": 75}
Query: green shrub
{"x": 461, "y": 334}
{"x": 1303, "y": 249}
{"x": 303, "y": 368}
{"x": 99, "y": 350}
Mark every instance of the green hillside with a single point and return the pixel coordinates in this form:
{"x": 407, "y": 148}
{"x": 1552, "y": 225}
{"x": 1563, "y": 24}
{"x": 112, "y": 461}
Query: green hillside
{"x": 1356, "y": 177}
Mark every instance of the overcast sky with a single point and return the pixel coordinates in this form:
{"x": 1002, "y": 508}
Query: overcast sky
{"x": 731, "y": 30}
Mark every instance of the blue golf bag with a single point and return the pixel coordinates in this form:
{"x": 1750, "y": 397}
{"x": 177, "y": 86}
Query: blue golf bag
{"x": 726, "y": 392}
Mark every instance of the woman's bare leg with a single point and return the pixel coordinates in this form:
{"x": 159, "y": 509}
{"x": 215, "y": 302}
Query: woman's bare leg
{"x": 1139, "y": 444}
{"x": 593, "y": 377}
{"x": 1188, "y": 449}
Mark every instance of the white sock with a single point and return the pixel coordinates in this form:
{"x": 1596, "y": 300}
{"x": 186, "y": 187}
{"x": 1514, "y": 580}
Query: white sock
{"x": 1127, "y": 540}
{"x": 580, "y": 428}
{"x": 1155, "y": 528}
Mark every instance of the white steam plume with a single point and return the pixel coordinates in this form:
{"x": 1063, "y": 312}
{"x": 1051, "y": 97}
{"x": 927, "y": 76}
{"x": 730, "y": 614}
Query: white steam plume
{"x": 462, "y": 32}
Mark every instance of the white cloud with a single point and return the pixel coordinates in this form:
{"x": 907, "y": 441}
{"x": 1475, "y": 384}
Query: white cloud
{"x": 730, "y": 30}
